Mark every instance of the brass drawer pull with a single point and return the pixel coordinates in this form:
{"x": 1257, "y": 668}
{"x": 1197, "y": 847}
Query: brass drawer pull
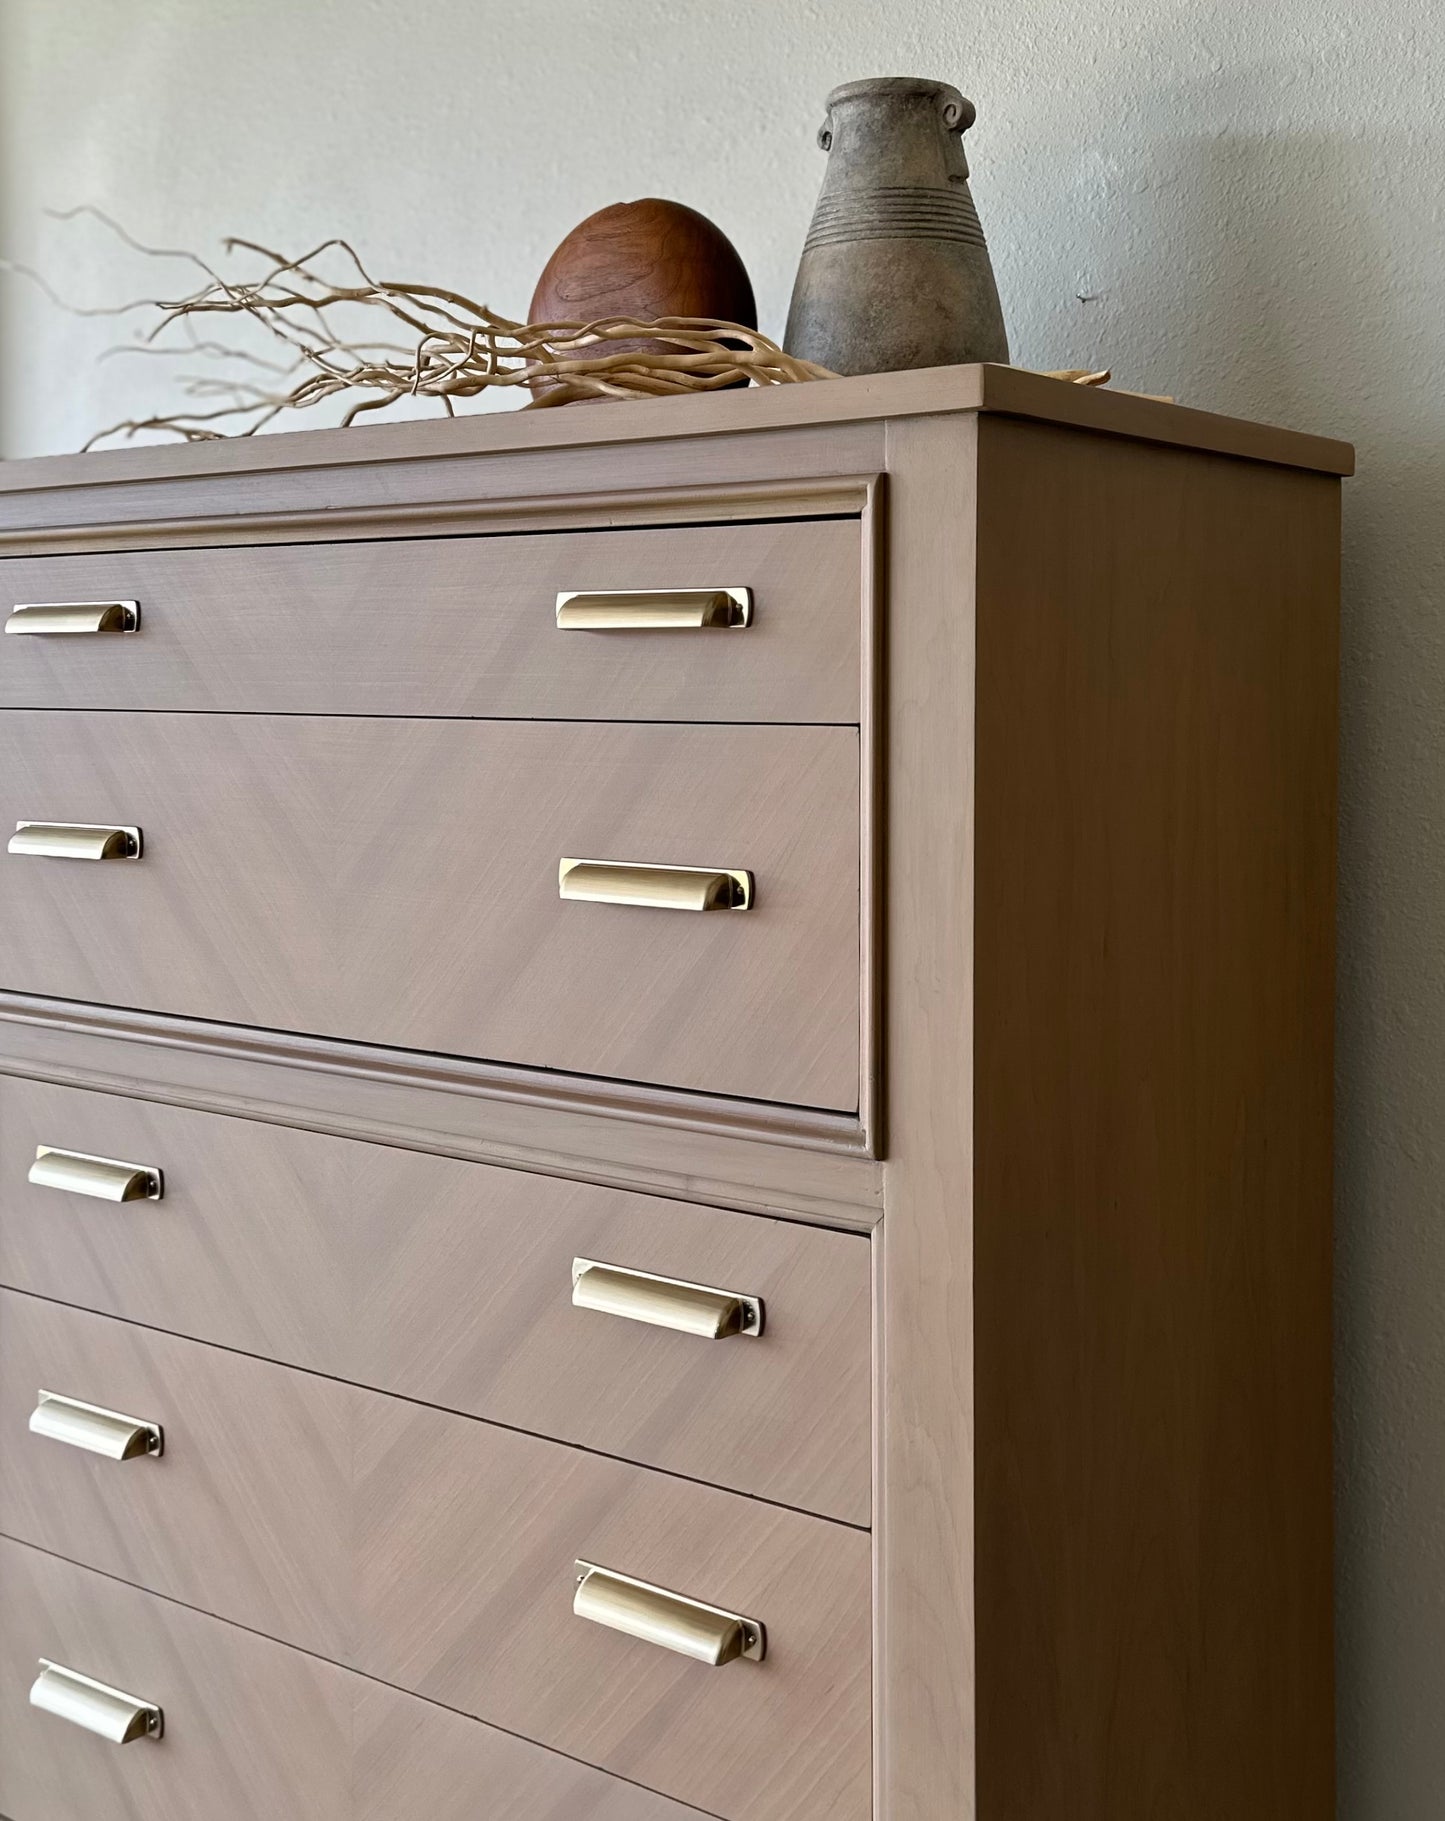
{"x": 654, "y": 609}
{"x": 97, "y": 1431}
{"x": 689, "y": 888}
{"x": 664, "y": 1302}
{"x": 705, "y": 1633}
{"x": 119, "y": 1717}
{"x": 74, "y": 616}
{"x": 103, "y": 1177}
{"x": 76, "y": 841}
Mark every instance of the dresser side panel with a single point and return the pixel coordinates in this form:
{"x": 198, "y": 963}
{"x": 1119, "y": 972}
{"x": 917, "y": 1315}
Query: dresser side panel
{"x": 1157, "y": 653}
{"x": 924, "y": 1690}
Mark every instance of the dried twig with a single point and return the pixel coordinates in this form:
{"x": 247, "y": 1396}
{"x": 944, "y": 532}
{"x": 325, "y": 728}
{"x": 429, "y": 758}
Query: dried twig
{"x": 449, "y": 346}
{"x": 443, "y": 345}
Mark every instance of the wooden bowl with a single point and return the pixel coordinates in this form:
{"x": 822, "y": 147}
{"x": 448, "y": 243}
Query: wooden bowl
{"x": 644, "y": 259}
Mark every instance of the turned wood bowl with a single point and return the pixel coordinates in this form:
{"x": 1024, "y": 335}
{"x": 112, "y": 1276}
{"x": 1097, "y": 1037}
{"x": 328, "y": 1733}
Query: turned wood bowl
{"x": 645, "y": 259}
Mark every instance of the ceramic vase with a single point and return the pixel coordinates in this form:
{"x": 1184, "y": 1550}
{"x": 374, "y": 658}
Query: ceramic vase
{"x": 895, "y": 270}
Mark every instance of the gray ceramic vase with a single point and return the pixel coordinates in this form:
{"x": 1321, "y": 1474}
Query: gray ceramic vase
{"x": 895, "y": 271}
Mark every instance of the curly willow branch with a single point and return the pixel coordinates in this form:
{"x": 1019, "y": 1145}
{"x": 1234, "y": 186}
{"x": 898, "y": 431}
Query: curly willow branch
{"x": 442, "y": 345}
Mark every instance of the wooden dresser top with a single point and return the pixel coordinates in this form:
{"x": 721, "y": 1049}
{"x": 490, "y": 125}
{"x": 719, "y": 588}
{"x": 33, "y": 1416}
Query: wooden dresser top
{"x": 1011, "y": 391}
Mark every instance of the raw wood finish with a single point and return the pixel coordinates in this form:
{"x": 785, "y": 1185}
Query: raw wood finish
{"x": 411, "y": 1758}
{"x": 1154, "y": 1011}
{"x": 652, "y": 1141}
{"x": 451, "y": 1282}
{"x": 454, "y": 626}
{"x": 789, "y": 473}
{"x": 924, "y": 1574}
{"x": 435, "y": 1553}
{"x": 1101, "y": 1510}
{"x": 253, "y": 1729}
{"x": 396, "y": 882}
{"x": 837, "y": 408}
{"x": 468, "y": 1600}
{"x": 247, "y": 1512}
{"x": 714, "y": 1115}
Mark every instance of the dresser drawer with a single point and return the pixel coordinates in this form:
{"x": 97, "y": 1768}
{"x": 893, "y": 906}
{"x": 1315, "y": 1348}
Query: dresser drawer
{"x": 251, "y": 1730}
{"x": 451, "y": 1282}
{"x": 439, "y": 1555}
{"x": 396, "y": 882}
{"x": 454, "y": 626}
{"x": 245, "y": 1511}
{"x": 414, "y": 1759}
{"x": 470, "y": 1543}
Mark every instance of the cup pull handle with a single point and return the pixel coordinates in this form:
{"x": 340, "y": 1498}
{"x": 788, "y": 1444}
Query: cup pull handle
{"x": 664, "y": 1302}
{"x": 654, "y": 609}
{"x": 104, "y": 1177}
{"x": 116, "y": 1716}
{"x": 97, "y": 1431}
{"x": 76, "y": 841}
{"x": 73, "y": 616}
{"x": 687, "y": 888}
{"x": 707, "y": 1634}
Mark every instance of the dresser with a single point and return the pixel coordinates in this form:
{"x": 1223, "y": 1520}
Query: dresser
{"x": 665, "y": 1102}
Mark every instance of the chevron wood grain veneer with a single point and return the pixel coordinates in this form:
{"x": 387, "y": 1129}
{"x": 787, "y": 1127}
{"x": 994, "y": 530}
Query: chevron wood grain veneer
{"x": 665, "y": 1115}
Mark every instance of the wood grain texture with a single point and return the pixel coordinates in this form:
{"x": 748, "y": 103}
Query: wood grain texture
{"x": 437, "y": 1556}
{"x": 1154, "y": 878}
{"x": 586, "y": 487}
{"x": 454, "y": 626}
{"x": 630, "y": 1141}
{"x": 201, "y": 521}
{"x": 643, "y": 259}
{"x": 396, "y": 882}
{"x": 413, "y": 1758}
{"x": 253, "y": 1729}
{"x": 835, "y": 404}
{"x": 1097, "y": 980}
{"x": 451, "y": 1283}
{"x": 247, "y": 1512}
{"x": 925, "y": 1582}
{"x": 807, "y": 1128}
{"x": 467, "y": 1595}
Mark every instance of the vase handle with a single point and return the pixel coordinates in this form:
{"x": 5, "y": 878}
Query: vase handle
{"x": 959, "y": 113}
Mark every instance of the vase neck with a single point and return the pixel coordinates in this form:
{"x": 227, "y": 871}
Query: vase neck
{"x": 896, "y": 132}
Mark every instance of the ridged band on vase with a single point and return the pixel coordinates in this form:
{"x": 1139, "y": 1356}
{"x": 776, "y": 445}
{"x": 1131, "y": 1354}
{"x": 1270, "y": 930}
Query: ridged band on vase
{"x": 903, "y": 212}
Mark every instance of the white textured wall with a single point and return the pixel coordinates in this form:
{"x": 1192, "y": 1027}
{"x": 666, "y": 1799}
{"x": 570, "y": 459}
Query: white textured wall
{"x": 1232, "y": 200}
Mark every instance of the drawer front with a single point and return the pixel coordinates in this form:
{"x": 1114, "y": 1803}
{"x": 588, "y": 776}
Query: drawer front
{"x": 469, "y": 1545}
{"x": 244, "y": 1513}
{"x": 454, "y": 626}
{"x": 250, "y": 1728}
{"x": 451, "y": 1282}
{"x": 412, "y": 1758}
{"x": 396, "y": 882}
{"x": 450, "y": 1566}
